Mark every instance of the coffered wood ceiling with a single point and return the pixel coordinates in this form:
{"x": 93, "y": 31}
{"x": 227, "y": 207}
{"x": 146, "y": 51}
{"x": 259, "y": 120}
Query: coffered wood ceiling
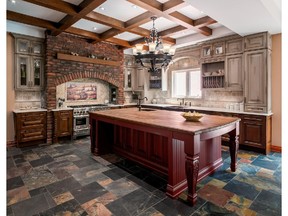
{"x": 88, "y": 10}
{"x": 126, "y": 22}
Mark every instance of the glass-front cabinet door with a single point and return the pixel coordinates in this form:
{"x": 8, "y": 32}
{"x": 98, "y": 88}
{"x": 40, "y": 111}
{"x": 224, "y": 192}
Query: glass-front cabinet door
{"x": 23, "y": 46}
{"x": 29, "y": 73}
{"x": 37, "y": 48}
{"x": 23, "y": 68}
{"x": 37, "y": 72}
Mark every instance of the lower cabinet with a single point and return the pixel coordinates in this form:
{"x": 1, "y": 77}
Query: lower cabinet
{"x": 255, "y": 133}
{"x": 63, "y": 124}
{"x": 30, "y": 128}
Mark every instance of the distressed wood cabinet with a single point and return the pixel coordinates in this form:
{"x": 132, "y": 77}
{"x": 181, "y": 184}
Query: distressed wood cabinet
{"x": 258, "y": 41}
{"x": 234, "y": 76}
{"x": 257, "y": 93}
{"x": 29, "y": 63}
{"x": 30, "y": 128}
{"x": 63, "y": 124}
{"x": 133, "y": 75}
{"x": 234, "y": 46}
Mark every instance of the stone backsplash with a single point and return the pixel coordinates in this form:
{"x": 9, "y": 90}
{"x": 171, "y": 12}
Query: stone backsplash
{"x": 28, "y": 99}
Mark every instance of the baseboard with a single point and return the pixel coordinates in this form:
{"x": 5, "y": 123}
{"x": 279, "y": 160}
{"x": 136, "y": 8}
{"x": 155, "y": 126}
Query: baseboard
{"x": 276, "y": 148}
{"x": 11, "y": 143}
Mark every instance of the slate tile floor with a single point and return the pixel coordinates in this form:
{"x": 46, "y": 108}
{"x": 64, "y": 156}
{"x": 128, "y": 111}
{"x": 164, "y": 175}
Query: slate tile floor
{"x": 65, "y": 179}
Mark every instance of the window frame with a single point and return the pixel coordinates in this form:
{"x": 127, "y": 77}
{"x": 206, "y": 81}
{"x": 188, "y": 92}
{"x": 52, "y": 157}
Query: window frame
{"x": 187, "y": 71}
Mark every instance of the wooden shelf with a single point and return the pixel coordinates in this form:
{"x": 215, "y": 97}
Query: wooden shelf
{"x": 69, "y": 57}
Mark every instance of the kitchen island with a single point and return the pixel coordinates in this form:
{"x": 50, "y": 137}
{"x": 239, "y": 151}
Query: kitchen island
{"x": 162, "y": 140}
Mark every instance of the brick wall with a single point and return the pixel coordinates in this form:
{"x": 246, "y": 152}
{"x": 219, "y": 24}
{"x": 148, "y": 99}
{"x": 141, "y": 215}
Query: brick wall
{"x": 61, "y": 71}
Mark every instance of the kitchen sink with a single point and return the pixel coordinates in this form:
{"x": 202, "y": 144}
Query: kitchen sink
{"x": 175, "y": 107}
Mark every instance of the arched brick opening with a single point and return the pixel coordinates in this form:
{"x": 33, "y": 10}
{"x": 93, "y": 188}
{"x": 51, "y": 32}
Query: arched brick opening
{"x": 59, "y": 71}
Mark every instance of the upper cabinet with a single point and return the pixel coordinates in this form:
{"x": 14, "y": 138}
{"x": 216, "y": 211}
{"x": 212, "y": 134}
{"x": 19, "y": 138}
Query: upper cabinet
{"x": 29, "y": 46}
{"x": 234, "y": 72}
{"x": 234, "y": 46}
{"x": 29, "y": 63}
{"x": 258, "y": 41}
{"x": 210, "y": 52}
{"x": 133, "y": 75}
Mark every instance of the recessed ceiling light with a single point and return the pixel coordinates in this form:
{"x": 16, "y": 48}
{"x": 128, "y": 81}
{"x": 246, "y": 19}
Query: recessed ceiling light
{"x": 201, "y": 12}
{"x": 13, "y": 1}
{"x": 101, "y": 8}
{"x": 134, "y": 6}
{"x": 94, "y": 28}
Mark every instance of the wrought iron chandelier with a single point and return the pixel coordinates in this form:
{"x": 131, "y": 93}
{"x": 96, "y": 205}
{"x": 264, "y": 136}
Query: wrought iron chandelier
{"x": 159, "y": 54}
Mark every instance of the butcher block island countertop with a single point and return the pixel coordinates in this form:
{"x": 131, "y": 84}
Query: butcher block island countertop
{"x": 164, "y": 141}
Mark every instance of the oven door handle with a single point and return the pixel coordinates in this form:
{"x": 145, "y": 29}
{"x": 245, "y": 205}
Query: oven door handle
{"x": 82, "y": 116}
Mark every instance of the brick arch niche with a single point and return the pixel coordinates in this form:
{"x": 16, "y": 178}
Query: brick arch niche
{"x": 59, "y": 71}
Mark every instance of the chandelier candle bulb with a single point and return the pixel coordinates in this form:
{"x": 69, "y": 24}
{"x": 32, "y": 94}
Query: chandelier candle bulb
{"x": 171, "y": 51}
{"x": 139, "y": 48}
{"x": 157, "y": 58}
{"x": 152, "y": 47}
{"x": 166, "y": 48}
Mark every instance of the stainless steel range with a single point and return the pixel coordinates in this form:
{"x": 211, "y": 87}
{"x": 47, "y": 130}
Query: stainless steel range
{"x": 81, "y": 125}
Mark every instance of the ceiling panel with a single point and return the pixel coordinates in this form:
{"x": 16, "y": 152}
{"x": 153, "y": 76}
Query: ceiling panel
{"x": 183, "y": 33}
{"x": 89, "y": 26}
{"x": 35, "y": 11}
{"x": 160, "y": 24}
{"x": 75, "y": 2}
{"x": 191, "y": 12}
{"x": 119, "y": 9}
{"x": 127, "y": 36}
{"x": 215, "y": 25}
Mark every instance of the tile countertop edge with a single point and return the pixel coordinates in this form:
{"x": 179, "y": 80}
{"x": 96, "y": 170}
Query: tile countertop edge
{"x": 29, "y": 110}
{"x": 210, "y": 109}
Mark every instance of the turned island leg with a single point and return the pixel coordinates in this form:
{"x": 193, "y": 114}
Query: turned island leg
{"x": 192, "y": 151}
{"x": 192, "y": 169}
{"x": 233, "y": 147}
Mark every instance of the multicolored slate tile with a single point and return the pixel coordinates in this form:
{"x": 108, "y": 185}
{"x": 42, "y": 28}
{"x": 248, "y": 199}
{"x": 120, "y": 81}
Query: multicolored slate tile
{"x": 66, "y": 179}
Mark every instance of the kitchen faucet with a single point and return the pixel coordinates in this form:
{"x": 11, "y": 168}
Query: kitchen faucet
{"x": 139, "y": 102}
{"x": 181, "y": 99}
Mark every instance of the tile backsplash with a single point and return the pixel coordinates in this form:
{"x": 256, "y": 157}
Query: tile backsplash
{"x": 102, "y": 93}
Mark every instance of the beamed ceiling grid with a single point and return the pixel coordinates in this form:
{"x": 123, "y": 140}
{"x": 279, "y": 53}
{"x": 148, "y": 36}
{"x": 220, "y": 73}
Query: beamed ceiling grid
{"x": 87, "y": 10}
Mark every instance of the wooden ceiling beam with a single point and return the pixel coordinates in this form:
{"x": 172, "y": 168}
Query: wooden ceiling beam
{"x": 204, "y": 21}
{"x": 119, "y": 42}
{"x": 170, "y": 6}
{"x": 171, "y": 31}
{"x": 57, "y": 5}
{"x": 189, "y": 23}
{"x": 174, "y": 16}
{"x": 85, "y": 7}
{"x": 29, "y": 20}
{"x": 138, "y": 20}
{"x": 110, "y": 33}
{"x": 105, "y": 20}
{"x": 83, "y": 33}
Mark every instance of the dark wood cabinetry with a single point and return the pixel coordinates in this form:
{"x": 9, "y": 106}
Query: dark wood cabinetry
{"x": 30, "y": 128}
{"x": 63, "y": 124}
{"x": 256, "y": 133}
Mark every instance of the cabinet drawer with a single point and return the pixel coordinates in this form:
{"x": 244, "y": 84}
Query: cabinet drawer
{"x": 257, "y": 109}
{"x": 32, "y": 134}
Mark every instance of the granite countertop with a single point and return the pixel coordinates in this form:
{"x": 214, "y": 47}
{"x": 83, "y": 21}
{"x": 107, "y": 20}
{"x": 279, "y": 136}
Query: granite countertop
{"x": 33, "y": 109}
{"x": 208, "y": 109}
